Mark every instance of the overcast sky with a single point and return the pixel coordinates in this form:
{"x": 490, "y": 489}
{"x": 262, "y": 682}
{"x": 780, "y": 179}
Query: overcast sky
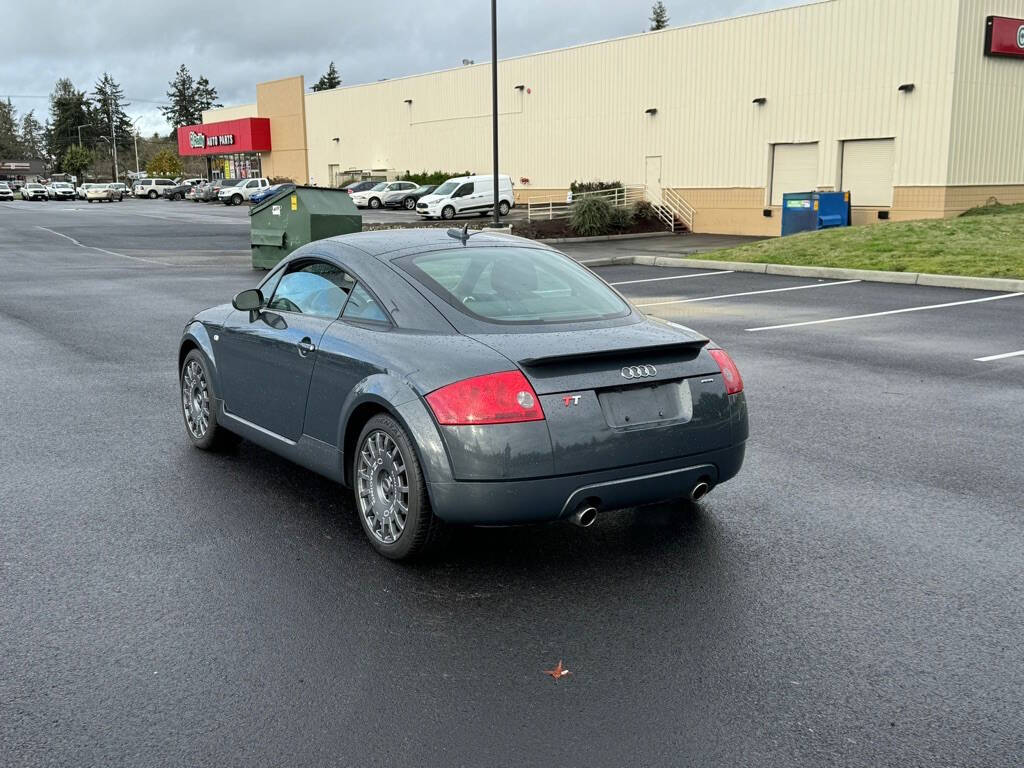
{"x": 237, "y": 44}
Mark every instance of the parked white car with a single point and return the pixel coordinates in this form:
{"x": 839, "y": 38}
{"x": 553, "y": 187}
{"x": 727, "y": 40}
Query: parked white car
{"x": 467, "y": 195}
{"x": 242, "y": 191}
{"x": 374, "y": 196}
{"x": 150, "y": 188}
{"x": 33, "y": 191}
{"x": 108, "y": 192}
{"x": 6, "y": 193}
{"x": 61, "y": 190}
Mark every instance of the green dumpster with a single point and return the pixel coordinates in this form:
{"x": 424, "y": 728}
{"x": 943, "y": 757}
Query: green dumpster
{"x": 292, "y": 218}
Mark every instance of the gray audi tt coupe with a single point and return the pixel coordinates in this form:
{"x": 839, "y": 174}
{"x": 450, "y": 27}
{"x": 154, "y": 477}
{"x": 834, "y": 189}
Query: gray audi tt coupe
{"x": 465, "y": 378}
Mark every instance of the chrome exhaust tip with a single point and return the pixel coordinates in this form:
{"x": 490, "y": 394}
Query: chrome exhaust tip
{"x": 699, "y": 491}
{"x": 584, "y": 517}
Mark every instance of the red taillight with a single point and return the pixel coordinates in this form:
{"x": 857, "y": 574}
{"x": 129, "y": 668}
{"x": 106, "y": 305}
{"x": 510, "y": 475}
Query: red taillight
{"x": 730, "y": 373}
{"x": 497, "y": 398}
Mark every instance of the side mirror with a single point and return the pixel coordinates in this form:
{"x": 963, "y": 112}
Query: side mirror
{"x": 248, "y": 301}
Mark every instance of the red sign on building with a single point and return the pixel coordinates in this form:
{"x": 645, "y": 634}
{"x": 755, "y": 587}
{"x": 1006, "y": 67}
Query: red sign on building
{"x": 1004, "y": 37}
{"x": 249, "y": 134}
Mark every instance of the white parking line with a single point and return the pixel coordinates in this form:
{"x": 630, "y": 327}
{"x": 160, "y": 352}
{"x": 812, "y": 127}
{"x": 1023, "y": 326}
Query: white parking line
{"x": 749, "y": 293}
{"x": 103, "y": 250}
{"x": 889, "y": 312}
{"x": 674, "y": 277}
{"x": 1003, "y": 356}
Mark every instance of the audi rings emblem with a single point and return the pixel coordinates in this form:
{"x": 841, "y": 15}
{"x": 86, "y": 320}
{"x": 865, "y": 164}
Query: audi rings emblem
{"x": 639, "y": 371}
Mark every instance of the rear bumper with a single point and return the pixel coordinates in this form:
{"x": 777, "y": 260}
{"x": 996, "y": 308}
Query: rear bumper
{"x": 554, "y": 498}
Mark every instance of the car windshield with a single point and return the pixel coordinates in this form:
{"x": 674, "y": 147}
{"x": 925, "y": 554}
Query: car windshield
{"x": 424, "y": 189}
{"x": 62, "y": 185}
{"x": 33, "y": 186}
{"x": 447, "y": 188}
{"x": 230, "y": 182}
{"x": 377, "y": 187}
{"x": 508, "y": 284}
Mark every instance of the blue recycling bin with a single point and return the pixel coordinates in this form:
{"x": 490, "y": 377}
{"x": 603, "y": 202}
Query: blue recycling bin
{"x": 810, "y": 211}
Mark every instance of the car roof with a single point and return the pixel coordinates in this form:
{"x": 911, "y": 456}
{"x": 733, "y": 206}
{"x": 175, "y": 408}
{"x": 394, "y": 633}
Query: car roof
{"x": 388, "y": 244}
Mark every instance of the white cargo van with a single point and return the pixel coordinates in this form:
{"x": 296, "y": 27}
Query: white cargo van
{"x": 467, "y": 195}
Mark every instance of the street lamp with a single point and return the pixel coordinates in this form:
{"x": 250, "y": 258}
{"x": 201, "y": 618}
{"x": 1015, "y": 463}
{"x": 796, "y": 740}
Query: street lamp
{"x": 80, "y": 127}
{"x": 494, "y": 103}
{"x": 135, "y": 137}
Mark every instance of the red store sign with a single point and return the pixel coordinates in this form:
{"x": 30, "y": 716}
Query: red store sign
{"x": 249, "y": 134}
{"x": 1004, "y": 37}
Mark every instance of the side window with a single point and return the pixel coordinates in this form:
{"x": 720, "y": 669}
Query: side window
{"x": 252, "y": 184}
{"x": 269, "y": 285}
{"x": 312, "y": 288}
{"x": 465, "y": 189}
{"x": 362, "y": 306}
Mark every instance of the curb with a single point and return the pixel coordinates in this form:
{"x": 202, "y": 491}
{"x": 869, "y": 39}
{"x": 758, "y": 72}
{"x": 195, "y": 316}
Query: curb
{"x": 836, "y": 273}
{"x": 603, "y": 238}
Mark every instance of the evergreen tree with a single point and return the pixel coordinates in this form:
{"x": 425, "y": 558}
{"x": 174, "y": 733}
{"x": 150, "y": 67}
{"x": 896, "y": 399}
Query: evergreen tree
{"x": 205, "y": 96}
{"x": 659, "y": 16}
{"x": 181, "y": 105}
{"x": 69, "y": 108}
{"x": 188, "y": 98}
{"x": 32, "y": 137}
{"x": 108, "y": 106}
{"x": 331, "y": 79}
{"x": 10, "y": 141}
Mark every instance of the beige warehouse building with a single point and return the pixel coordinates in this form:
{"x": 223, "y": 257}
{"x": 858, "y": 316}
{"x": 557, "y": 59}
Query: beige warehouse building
{"x": 900, "y": 102}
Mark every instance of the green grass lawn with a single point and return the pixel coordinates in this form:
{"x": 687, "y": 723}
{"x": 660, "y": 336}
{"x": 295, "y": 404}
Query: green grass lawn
{"x": 984, "y": 242}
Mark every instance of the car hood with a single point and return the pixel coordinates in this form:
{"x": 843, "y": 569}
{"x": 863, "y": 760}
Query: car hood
{"x": 432, "y": 198}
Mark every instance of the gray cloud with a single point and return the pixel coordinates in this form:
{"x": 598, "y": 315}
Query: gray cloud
{"x": 237, "y": 44}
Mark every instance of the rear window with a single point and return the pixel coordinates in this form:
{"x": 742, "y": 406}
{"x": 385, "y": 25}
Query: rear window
{"x": 515, "y": 285}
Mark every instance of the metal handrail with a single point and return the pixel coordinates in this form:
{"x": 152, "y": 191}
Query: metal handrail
{"x": 681, "y": 209}
{"x": 557, "y": 207}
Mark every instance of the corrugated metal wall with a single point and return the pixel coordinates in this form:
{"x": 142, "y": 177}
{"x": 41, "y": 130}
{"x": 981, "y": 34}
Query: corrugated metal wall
{"x": 987, "y": 144}
{"x": 829, "y": 71}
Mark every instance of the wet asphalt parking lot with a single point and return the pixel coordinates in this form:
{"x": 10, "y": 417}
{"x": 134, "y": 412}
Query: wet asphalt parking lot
{"x": 854, "y": 597}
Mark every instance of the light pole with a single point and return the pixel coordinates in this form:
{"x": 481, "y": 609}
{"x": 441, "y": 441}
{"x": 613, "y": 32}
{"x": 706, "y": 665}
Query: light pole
{"x": 80, "y": 127}
{"x": 494, "y": 103}
{"x": 113, "y": 141}
{"x": 135, "y": 137}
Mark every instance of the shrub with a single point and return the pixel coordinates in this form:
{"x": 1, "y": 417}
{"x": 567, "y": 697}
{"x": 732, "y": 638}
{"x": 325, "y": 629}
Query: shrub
{"x": 591, "y": 216}
{"x": 622, "y": 218}
{"x": 593, "y": 186}
{"x": 280, "y": 180}
{"x": 644, "y": 212}
{"x": 165, "y": 163}
{"x": 432, "y": 177}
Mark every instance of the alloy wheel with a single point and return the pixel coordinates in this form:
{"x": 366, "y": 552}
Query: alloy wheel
{"x": 382, "y": 487}
{"x": 195, "y": 400}
{"x": 410, "y": 204}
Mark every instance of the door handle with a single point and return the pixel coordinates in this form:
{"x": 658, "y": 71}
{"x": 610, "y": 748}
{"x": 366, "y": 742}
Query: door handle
{"x": 305, "y": 347}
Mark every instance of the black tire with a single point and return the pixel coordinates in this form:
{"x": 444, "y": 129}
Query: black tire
{"x": 504, "y": 208}
{"x": 214, "y": 437}
{"x": 152, "y": 194}
{"x": 90, "y": 201}
{"x": 448, "y": 212}
{"x": 421, "y": 531}
{"x": 409, "y": 203}
{"x": 236, "y": 199}
{"x": 375, "y": 203}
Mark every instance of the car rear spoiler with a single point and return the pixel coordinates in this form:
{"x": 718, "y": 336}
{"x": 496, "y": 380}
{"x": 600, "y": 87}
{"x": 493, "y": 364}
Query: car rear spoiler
{"x": 677, "y": 347}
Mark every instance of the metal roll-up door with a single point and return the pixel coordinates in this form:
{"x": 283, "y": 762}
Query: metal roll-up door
{"x": 794, "y": 169}
{"x": 867, "y": 171}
